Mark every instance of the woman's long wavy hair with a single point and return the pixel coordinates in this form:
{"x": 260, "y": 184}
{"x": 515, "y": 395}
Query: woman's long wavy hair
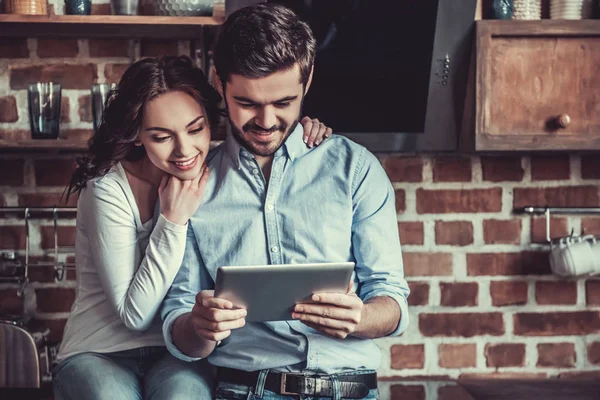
{"x": 123, "y": 114}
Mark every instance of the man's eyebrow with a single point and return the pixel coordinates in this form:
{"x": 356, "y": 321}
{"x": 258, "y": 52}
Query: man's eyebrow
{"x": 282, "y": 100}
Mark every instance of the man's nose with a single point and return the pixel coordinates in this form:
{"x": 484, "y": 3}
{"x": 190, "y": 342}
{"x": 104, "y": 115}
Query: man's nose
{"x": 266, "y": 118}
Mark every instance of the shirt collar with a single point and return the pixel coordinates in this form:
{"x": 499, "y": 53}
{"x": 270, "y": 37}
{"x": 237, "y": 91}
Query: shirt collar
{"x": 294, "y": 146}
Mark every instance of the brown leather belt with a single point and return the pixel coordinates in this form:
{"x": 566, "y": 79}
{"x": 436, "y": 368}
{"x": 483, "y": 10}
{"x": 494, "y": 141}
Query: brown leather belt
{"x": 351, "y": 386}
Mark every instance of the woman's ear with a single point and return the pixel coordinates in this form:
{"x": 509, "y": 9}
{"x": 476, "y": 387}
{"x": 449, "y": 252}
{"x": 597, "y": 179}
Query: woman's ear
{"x": 137, "y": 141}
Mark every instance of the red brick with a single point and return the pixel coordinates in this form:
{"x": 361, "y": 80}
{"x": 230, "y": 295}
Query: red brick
{"x": 41, "y": 273}
{"x": 403, "y": 169}
{"x": 455, "y": 233}
{"x": 109, "y": 47}
{"x": 452, "y": 169}
{"x": 427, "y": 264}
{"x": 592, "y": 292}
{"x": 556, "y": 355}
{"x": 400, "y": 201}
{"x": 559, "y": 227}
{"x": 8, "y": 109}
{"x": 13, "y": 48}
{"x": 51, "y": 300}
{"x": 85, "y": 108}
{"x": 459, "y": 201}
{"x": 10, "y": 303}
{"x": 459, "y": 294}
{"x": 411, "y": 233}
{"x": 407, "y": 392}
{"x": 114, "y": 72}
{"x": 453, "y": 393}
{"x": 71, "y": 272}
{"x": 65, "y": 109}
{"x": 408, "y": 356}
{"x": 419, "y": 294}
{"x": 12, "y": 237}
{"x": 497, "y": 231}
{"x": 505, "y": 355}
{"x": 457, "y": 355}
{"x": 550, "y": 168}
{"x": 71, "y": 76}
{"x": 502, "y": 169}
{"x": 500, "y": 376}
{"x": 565, "y": 196}
{"x": 523, "y": 263}
{"x": 15, "y": 134}
{"x": 66, "y": 236}
{"x": 57, "y": 48}
{"x": 508, "y": 293}
{"x": 16, "y": 177}
{"x": 101, "y": 9}
{"x": 590, "y": 166}
{"x": 593, "y": 353}
{"x": 158, "y": 47}
{"x": 590, "y": 225}
{"x": 45, "y": 200}
{"x": 461, "y": 324}
{"x": 556, "y": 323}
{"x": 54, "y": 172}
{"x": 556, "y": 292}
{"x": 56, "y": 327}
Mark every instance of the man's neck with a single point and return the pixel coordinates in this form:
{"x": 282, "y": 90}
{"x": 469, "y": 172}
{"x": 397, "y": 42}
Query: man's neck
{"x": 265, "y": 163}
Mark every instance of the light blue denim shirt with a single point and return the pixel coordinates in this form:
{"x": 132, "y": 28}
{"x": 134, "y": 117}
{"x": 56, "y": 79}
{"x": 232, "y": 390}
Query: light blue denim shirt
{"x": 326, "y": 204}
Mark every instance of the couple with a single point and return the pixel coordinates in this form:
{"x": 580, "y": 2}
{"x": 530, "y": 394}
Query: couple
{"x": 265, "y": 196}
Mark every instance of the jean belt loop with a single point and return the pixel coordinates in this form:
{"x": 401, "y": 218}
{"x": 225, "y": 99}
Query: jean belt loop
{"x": 335, "y": 385}
{"x": 259, "y": 389}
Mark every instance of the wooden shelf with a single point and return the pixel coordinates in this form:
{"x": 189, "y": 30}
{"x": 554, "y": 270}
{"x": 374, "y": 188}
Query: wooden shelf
{"x": 69, "y": 145}
{"x": 85, "y": 26}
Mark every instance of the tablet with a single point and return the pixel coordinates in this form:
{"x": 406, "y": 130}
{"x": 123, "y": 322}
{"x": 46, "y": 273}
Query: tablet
{"x": 269, "y": 292}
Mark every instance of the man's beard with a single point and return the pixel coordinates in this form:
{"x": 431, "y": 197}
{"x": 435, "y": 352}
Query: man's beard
{"x": 261, "y": 150}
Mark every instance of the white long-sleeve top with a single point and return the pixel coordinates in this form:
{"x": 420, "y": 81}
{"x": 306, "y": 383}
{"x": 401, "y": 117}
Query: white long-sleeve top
{"x": 124, "y": 269}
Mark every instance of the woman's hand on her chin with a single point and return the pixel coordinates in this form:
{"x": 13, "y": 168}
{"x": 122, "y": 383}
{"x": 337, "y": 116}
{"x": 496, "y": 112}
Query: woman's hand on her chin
{"x": 179, "y": 199}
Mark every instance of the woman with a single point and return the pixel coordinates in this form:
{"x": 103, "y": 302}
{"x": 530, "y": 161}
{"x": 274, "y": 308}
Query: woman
{"x": 150, "y": 147}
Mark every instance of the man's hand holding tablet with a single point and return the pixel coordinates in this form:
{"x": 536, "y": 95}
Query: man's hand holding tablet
{"x": 334, "y": 314}
{"x": 213, "y": 318}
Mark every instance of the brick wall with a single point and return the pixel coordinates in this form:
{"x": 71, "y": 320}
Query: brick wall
{"x": 483, "y": 301}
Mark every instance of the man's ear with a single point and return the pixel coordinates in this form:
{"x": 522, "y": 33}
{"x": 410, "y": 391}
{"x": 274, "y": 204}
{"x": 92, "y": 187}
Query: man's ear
{"x": 312, "y": 69}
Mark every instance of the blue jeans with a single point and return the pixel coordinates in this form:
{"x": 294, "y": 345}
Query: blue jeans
{"x": 149, "y": 373}
{"x": 231, "y": 391}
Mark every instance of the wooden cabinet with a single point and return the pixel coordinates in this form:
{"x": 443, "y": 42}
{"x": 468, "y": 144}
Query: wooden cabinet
{"x": 537, "y": 85}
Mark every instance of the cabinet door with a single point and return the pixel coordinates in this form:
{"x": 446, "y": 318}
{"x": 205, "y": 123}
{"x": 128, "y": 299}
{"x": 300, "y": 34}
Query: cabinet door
{"x": 538, "y": 85}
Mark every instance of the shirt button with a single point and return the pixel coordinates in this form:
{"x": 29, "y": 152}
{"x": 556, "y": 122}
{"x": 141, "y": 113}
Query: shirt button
{"x": 275, "y": 249}
{"x": 270, "y": 207}
{"x": 255, "y": 171}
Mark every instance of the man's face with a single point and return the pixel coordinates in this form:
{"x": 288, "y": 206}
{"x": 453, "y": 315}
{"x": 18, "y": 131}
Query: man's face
{"x": 263, "y": 112}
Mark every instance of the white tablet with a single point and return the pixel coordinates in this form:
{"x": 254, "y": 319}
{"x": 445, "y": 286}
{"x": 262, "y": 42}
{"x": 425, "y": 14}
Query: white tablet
{"x": 269, "y": 292}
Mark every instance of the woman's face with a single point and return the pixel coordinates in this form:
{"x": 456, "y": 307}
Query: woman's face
{"x": 175, "y": 134}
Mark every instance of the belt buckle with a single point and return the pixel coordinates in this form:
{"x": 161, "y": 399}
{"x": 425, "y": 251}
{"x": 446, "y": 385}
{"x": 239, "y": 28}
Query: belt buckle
{"x": 282, "y": 384}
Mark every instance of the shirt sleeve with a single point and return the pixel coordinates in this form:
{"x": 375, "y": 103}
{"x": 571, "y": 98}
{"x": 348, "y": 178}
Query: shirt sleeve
{"x": 191, "y": 278}
{"x": 375, "y": 239}
{"x": 134, "y": 280}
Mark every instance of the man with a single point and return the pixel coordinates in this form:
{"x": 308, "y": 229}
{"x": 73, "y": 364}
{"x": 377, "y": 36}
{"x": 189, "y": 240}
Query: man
{"x": 272, "y": 200}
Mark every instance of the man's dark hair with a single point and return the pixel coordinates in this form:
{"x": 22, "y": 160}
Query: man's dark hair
{"x": 262, "y": 39}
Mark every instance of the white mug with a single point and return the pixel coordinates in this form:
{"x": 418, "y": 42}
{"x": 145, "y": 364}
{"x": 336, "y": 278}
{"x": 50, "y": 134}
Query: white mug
{"x": 575, "y": 256}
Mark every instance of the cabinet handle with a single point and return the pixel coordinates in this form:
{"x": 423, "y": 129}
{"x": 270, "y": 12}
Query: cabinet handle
{"x": 563, "y": 120}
